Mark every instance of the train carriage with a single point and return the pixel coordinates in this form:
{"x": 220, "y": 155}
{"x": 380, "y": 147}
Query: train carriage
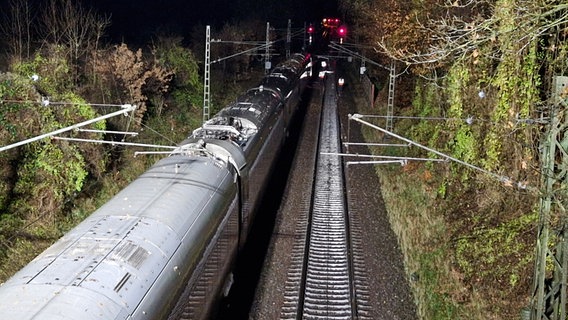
{"x": 164, "y": 247}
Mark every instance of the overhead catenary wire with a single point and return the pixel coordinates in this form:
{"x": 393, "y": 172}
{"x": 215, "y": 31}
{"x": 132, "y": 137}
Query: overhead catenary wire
{"x": 78, "y": 127}
{"x": 125, "y": 109}
{"x": 401, "y": 162}
{"x": 260, "y": 45}
{"x": 504, "y": 179}
{"x": 470, "y": 120}
{"x": 129, "y": 133}
{"x": 397, "y": 158}
{"x": 122, "y": 143}
{"x": 347, "y": 144}
{"x": 60, "y": 103}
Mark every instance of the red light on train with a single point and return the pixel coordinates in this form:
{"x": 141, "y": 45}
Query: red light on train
{"x": 330, "y": 22}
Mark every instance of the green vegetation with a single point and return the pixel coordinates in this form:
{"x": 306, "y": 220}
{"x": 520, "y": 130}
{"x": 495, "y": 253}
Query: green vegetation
{"x": 187, "y": 84}
{"x": 49, "y": 186}
{"x": 468, "y": 237}
{"x": 442, "y": 306}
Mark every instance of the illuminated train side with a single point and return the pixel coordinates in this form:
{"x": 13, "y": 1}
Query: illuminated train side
{"x": 164, "y": 247}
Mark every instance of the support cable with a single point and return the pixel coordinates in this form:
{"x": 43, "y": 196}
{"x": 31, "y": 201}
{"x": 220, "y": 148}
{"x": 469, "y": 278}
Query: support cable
{"x": 126, "y": 108}
{"x": 118, "y": 143}
{"x": 504, "y": 179}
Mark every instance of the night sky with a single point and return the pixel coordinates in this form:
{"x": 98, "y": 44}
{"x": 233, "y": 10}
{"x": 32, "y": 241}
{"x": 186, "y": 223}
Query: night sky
{"x": 138, "y": 20}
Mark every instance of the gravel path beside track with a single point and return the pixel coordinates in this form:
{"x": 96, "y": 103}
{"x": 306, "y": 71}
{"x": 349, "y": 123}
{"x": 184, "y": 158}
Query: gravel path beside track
{"x": 389, "y": 291}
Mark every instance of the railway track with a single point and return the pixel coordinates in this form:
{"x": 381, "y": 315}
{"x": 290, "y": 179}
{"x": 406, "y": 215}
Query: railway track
{"x": 326, "y": 279}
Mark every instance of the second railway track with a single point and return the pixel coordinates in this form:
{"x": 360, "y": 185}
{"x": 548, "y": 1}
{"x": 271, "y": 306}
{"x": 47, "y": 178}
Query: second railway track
{"x": 327, "y": 278}
{"x": 358, "y": 271}
{"x": 322, "y": 284}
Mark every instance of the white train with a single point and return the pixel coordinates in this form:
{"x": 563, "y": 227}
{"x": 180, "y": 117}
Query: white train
{"x": 164, "y": 247}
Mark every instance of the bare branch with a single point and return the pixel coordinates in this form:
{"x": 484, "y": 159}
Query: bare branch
{"x": 16, "y": 28}
{"x": 459, "y": 34}
{"x": 73, "y": 26}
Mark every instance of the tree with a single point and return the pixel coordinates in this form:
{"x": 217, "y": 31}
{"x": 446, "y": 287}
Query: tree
{"x": 186, "y": 86}
{"x": 236, "y": 38}
{"x": 436, "y": 33}
{"x": 16, "y": 29}
{"x": 72, "y": 26}
{"x": 137, "y": 78}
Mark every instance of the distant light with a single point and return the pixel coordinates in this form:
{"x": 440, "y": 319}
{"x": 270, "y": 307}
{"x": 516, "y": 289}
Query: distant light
{"x": 342, "y": 31}
{"x": 311, "y": 29}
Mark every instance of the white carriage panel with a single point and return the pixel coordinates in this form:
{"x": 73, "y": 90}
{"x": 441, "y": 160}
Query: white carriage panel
{"x": 204, "y": 254}
{"x": 180, "y": 204}
{"x": 134, "y": 265}
{"x": 76, "y": 303}
{"x": 69, "y": 260}
{"x": 57, "y": 303}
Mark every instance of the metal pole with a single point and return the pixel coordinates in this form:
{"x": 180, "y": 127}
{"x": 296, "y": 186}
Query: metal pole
{"x": 390, "y": 102}
{"x": 549, "y": 299}
{"x": 288, "y": 39}
{"x": 267, "y": 65}
{"x": 207, "y": 75}
{"x": 304, "y": 37}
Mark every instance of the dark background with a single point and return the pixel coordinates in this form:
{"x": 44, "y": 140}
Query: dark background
{"x": 138, "y": 20}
